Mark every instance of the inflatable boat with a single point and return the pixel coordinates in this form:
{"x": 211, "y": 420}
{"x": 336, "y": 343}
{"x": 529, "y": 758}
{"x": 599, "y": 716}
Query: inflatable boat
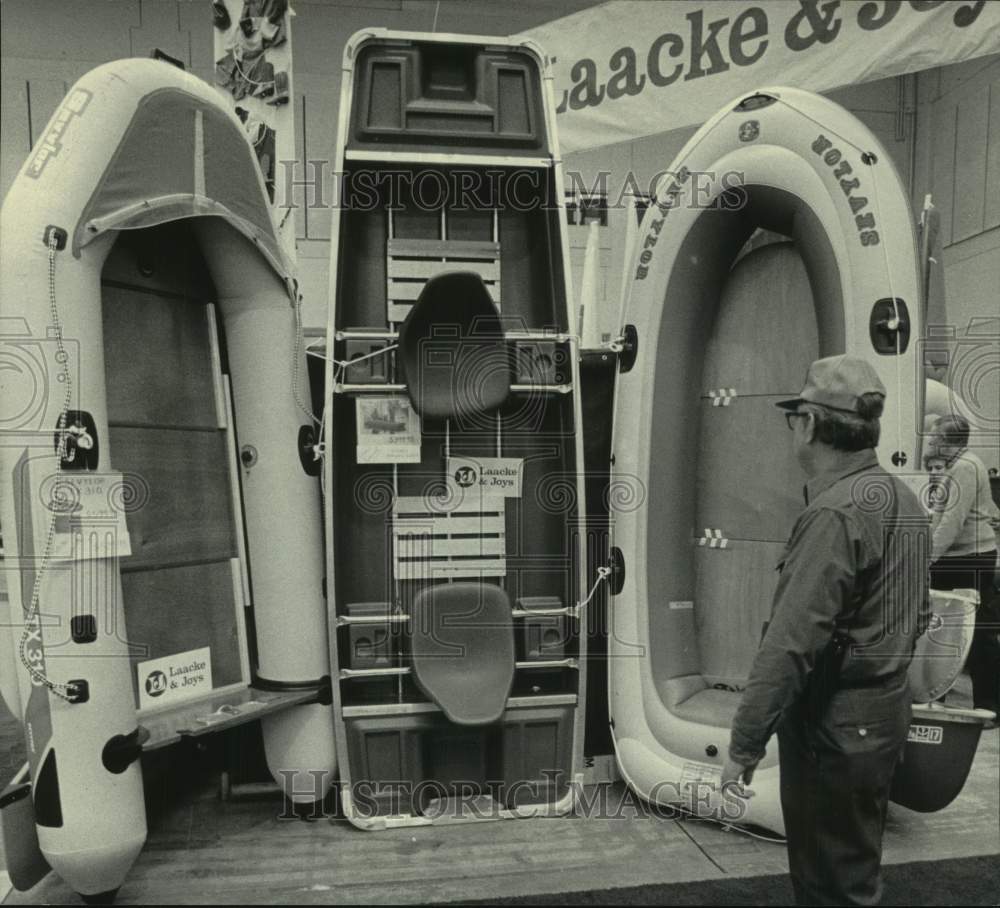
{"x": 781, "y": 233}
{"x": 149, "y": 328}
{"x": 452, "y": 439}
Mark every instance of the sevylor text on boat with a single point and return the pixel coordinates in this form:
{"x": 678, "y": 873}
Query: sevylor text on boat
{"x": 148, "y": 323}
{"x": 453, "y": 437}
{"x": 781, "y": 233}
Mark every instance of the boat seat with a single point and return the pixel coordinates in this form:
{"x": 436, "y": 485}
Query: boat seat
{"x": 452, "y": 349}
{"x": 462, "y": 639}
{"x": 690, "y": 698}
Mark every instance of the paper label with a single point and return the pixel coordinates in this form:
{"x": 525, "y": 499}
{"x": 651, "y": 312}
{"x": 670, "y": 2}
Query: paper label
{"x": 170, "y": 679}
{"x": 684, "y": 604}
{"x": 491, "y": 475}
{"x": 89, "y": 513}
{"x": 925, "y": 734}
{"x": 388, "y": 430}
{"x": 701, "y": 773}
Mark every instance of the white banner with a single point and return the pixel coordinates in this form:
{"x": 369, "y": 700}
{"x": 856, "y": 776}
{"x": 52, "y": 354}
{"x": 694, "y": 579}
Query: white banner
{"x": 632, "y": 68}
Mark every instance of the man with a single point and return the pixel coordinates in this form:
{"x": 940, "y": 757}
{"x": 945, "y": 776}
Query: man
{"x": 830, "y": 675}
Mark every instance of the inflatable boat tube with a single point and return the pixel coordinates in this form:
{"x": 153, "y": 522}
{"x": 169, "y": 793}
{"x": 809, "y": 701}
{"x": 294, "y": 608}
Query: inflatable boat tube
{"x": 135, "y": 144}
{"x": 715, "y": 491}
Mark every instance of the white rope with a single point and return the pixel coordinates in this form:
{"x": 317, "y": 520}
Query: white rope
{"x": 602, "y": 574}
{"x": 341, "y": 365}
{"x": 64, "y": 691}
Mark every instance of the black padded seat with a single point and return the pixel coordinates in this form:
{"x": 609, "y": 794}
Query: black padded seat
{"x": 463, "y": 650}
{"x": 452, "y": 349}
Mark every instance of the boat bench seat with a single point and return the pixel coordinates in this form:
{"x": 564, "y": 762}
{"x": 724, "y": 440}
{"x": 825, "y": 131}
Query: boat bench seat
{"x": 690, "y": 698}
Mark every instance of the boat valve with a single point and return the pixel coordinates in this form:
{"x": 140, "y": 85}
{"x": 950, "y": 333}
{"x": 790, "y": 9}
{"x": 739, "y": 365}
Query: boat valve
{"x": 122, "y": 751}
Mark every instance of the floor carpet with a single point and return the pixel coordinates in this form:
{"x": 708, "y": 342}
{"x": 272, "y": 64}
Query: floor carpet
{"x": 957, "y": 881}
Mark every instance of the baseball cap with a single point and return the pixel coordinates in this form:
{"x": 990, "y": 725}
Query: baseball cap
{"x": 837, "y": 382}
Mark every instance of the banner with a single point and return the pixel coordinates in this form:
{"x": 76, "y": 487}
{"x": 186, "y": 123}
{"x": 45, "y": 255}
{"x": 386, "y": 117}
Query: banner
{"x": 632, "y": 68}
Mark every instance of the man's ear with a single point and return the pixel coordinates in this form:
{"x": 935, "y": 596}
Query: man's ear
{"x": 809, "y": 427}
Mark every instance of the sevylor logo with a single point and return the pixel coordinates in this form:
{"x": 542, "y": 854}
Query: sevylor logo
{"x": 710, "y": 47}
{"x": 50, "y": 144}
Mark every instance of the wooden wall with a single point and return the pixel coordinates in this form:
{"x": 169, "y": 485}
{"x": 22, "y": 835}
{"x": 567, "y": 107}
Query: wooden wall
{"x": 957, "y": 159}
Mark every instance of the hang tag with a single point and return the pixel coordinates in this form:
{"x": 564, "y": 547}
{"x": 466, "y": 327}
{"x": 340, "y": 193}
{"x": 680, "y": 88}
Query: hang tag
{"x": 87, "y": 510}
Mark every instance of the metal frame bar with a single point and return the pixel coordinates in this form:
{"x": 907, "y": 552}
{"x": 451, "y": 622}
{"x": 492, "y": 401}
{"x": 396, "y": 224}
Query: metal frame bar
{"x": 394, "y": 671}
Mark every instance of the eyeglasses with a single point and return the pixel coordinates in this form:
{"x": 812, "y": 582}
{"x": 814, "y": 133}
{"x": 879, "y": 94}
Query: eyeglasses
{"x": 790, "y": 416}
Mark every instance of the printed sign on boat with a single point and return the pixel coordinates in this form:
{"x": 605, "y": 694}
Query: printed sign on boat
{"x": 491, "y": 475}
{"x": 170, "y": 679}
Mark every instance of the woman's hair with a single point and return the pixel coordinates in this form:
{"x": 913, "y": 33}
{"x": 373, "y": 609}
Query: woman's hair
{"x": 847, "y": 431}
{"x": 952, "y": 430}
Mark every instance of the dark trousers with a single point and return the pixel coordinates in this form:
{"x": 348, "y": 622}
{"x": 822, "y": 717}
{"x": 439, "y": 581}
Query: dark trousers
{"x": 976, "y": 572}
{"x": 836, "y": 773}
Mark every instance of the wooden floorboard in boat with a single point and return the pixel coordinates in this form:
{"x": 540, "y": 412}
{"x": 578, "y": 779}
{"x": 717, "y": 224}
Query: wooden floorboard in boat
{"x": 207, "y": 851}
{"x": 749, "y": 482}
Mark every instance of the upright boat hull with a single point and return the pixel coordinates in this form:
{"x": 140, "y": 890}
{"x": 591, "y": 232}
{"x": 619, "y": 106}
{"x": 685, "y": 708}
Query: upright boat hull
{"x": 797, "y": 165}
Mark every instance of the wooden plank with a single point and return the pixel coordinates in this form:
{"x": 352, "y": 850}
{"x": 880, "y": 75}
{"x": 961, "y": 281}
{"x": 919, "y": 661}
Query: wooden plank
{"x": 235, "y": 495}
{"x": 410, "y": 547}
{"x": 193, "y": 719}
{"x": 188, "y": 513}
{"x": 400, "y": 290}
{"x": 747, "y": 499}
{"x": 158, "y": 360}
{"x": 767, "y": 302}
{"x": 444, "y": 249}
{"x": 450, "y": 570}
{"x": 733, "y": 596}
{"x": 444, "y": 525}
{"x": 409, "y": 269}
{"x": 420, "y": 504}
{"x": 178, "y": 609}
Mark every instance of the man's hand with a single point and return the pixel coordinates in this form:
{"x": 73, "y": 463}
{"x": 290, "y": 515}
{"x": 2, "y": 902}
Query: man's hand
{"x": 737, "y": 774}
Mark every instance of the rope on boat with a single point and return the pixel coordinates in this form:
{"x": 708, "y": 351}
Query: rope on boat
{"x": 603, "y": 573}
{"x": 38, "y": 676}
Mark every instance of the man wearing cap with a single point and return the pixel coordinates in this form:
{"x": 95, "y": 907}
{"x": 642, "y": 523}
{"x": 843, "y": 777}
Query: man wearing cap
{"x": 830, "y": 674}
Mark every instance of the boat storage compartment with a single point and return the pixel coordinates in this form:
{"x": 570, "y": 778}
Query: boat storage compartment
{"x": 433, "y": 95}
{"x": 413, "y": 764}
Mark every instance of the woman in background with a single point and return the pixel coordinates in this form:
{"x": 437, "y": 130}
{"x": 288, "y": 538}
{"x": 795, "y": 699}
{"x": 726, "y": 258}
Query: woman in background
{"x": 965, "y": 551}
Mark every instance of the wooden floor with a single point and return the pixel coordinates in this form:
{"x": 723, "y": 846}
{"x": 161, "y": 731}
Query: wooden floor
{"x": 203, "y": 850}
